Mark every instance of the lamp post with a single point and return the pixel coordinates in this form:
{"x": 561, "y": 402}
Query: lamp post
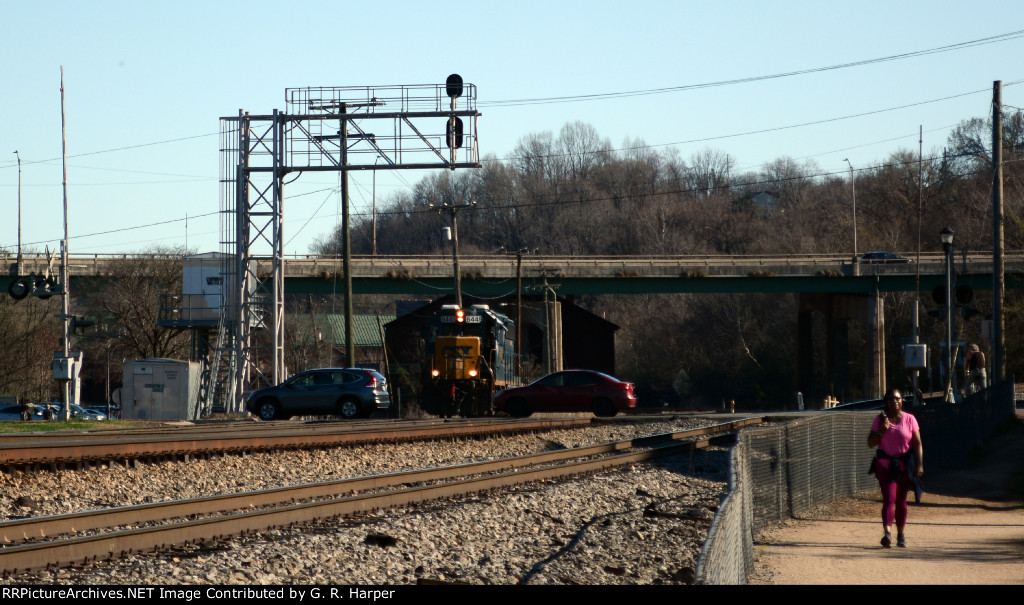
{"x": 853, "y": 196}
{"x": 946, "y": 235}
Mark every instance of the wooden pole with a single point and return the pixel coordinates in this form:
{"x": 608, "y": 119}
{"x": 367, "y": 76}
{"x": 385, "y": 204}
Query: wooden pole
{"x": 998, "y": 265}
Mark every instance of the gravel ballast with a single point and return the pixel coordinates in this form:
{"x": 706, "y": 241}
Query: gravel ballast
{"x": 641, "y": 524}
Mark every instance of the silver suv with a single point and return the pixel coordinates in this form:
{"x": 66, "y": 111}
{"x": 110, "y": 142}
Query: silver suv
{"x": 347, "y": 392}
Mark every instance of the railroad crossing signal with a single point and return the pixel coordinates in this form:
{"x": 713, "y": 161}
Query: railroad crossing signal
{"x": 963, "y": 295}
{"x": 41, "y": 287}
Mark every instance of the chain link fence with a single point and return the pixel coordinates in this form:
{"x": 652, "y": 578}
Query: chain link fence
{"x": 778, "y": 472}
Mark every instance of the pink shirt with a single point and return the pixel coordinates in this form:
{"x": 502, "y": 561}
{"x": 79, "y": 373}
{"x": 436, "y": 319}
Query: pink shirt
{"x": 896, "y": 440}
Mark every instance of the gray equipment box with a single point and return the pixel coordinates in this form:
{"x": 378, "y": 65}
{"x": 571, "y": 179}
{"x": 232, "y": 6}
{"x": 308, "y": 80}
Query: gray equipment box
{"x": 160, "y": 389}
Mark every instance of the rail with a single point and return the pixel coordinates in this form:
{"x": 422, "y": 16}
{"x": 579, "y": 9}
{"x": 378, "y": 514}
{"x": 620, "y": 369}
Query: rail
{"x": 30, "y": 450}
{"x": 467, "y": 479}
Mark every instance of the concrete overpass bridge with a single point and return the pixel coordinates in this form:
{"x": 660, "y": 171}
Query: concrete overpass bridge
{"x": 488, "y": 276}
{"x": 841, "y": 290}
{"x": 494, "y": 275}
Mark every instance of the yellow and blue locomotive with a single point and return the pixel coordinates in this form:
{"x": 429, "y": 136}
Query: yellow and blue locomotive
{"x": 470, "y": 355}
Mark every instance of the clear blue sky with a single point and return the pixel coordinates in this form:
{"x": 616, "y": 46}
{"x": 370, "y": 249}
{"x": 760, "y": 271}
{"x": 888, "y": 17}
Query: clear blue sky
{"x": 147, "y": 82}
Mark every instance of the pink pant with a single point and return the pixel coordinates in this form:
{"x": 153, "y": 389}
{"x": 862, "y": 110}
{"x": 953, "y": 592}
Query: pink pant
{"x": 894, "y": 494}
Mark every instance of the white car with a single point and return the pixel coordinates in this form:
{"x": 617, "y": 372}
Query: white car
{"x": 77, "y": 412}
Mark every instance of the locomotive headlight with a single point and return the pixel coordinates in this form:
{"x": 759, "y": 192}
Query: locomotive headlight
{"x": 472, "y": 373}
{"x": 435, "y": 373}
{"x": 460, "y": 316}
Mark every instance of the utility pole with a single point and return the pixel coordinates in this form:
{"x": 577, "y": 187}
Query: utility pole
{"x": 350, "y": 330}
{"x": 519, "y": 312}
{"x": 375, "y": 208}
{"x": 64, "y": 278}
{"x": 853, "y": 196}
{"x": 915, "y": 316}
{"x": 998, "y": 267}
{"x": 20, "y": 259}
{"x": 453, "y": 210}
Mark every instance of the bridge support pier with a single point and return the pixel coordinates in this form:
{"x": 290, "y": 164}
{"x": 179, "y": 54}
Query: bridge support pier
{"x": 833, "y": 377}
{"x": 875, "y": 374}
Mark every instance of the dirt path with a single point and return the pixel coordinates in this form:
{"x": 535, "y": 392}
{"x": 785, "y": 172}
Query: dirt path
{"x": 968, "y": 529}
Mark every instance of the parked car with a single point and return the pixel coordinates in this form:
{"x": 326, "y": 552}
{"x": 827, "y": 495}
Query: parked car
{"x": 568, "y": 391}
{"x": 347, "y": 392}
{"x": 49, "y": 409}
{"x": 77, "y": 412}
{"x": 115, "y": 410}
{"x": 13, "y": 412}
{"x": 883, "y": 257}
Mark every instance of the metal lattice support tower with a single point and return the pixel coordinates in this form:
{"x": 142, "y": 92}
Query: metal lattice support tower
{"x": 253, "y": 313}
{"x": 326, "y": 129}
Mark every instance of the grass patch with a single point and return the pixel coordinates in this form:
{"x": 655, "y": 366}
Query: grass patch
{"x": 18, "y": 426}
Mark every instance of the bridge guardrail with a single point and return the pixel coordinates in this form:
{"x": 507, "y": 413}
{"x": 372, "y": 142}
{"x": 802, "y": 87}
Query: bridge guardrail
{"x": 434, "y": 266}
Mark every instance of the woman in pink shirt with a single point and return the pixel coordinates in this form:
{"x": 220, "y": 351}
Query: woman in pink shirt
{"x": 897, "y": 436}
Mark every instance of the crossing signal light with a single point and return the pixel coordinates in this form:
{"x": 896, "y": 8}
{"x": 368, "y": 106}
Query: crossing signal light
{"x": 41, "y": 287}
{"x": 19, "y": 288}
{"x": 961, "y": 296}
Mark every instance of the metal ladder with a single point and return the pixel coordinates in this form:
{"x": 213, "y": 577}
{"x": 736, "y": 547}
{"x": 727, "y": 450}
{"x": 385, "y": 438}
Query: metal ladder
{"x": 218, "y": 373}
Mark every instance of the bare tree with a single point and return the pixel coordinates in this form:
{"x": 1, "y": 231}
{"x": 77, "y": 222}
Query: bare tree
{"x": 127, "y": 301}
{"x": 582, "y": 149}
{"x": 30, "y": 335}
{"x": 710, "y": 172}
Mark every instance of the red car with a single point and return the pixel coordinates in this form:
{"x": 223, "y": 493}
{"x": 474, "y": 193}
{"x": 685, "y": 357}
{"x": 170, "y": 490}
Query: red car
{"x": 568, "y": 391}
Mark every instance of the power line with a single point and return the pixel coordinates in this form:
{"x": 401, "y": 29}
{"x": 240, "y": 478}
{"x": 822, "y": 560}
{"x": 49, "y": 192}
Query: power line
{"x": 639, "y": 147}
{"x": 727, "y": 186}
{"x": 122, "y": 229}
{"x": 766, "y": 130}
{"x": 655, "y": 91}
{"x": 416, "y": 211}
{"x": 126, "y": 148}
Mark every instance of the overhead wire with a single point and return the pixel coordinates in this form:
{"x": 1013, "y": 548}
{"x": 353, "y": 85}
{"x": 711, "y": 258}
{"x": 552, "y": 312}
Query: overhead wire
{"x": 332, "y": 191}
{"x": 684, "y": 191}
{"x": 653, "y": 91}
{"x": 597, "y": 96}
{"x": 122, "y": 229}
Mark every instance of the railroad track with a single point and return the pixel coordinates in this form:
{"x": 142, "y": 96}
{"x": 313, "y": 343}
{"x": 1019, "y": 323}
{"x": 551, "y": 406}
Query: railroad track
{"x": 39, "y": 451}
{"x": 29, "y": 543}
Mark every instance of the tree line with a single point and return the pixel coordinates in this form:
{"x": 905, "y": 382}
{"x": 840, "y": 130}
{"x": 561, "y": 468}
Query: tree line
{"x": 574, "y": 194}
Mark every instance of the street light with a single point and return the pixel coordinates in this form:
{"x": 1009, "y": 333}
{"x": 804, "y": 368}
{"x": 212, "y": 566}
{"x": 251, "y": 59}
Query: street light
{"x": 946, "y": 235}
